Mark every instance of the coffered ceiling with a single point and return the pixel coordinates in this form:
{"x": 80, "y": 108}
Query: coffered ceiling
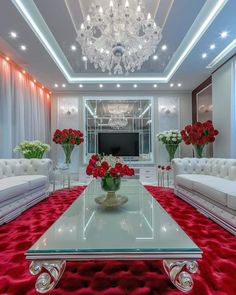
{"x": 48, "y": 30}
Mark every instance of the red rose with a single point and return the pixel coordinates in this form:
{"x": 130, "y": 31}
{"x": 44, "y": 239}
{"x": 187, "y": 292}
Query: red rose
{"x": 113, "y": 172}
{"x": 72, "y": 141}
{"x": 95, "y": 157}
{"x": 89, "y": 170}
{"x": 105, "y": 165}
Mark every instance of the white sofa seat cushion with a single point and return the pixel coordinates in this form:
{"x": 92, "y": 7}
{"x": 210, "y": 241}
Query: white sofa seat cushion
{"x": 186, "y": 180}
{"x": 215, "y": 188}
{"x": 33, "y": 180}
{"x": 231, "y": 199}
{"x": 10, "y": 188}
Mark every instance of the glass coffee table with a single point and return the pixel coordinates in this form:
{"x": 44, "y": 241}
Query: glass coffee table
{"x": 139, "y": 229}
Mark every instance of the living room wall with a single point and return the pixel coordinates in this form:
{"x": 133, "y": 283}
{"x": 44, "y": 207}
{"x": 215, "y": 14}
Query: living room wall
{"x": 76, "y": 120}
{"x": 224, "y": 109}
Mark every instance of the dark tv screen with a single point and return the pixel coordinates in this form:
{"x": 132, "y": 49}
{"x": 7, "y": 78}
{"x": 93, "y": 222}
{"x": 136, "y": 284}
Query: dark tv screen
{"x": 119, "y": 144}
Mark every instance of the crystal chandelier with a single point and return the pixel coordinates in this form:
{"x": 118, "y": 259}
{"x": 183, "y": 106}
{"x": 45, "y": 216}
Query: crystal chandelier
{"x": 117, "y": 121}
{"x": 118, "y": 38}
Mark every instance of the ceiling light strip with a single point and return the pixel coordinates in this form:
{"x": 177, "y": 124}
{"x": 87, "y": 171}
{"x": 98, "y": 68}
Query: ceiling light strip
{"x": 213, "y": 12}
{"x": 210, "y": 10}
{"x": 36, "y": 28}
{"x": 222, "y": 54}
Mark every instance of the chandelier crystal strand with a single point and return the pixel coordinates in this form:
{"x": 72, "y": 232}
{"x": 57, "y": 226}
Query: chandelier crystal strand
{"x": 118, "y": 38}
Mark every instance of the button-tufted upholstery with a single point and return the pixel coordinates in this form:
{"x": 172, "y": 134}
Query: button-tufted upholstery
{"x": 210, "y": 185}
{"x": 23, "y": 183}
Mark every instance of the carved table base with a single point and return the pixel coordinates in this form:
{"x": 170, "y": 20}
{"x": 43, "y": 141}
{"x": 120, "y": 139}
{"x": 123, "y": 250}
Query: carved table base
{"x": 179, "y": 273}
{"x": 47, "y": 280}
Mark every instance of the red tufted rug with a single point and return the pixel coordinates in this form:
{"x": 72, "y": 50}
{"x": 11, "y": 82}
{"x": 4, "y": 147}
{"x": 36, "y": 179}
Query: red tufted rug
{"x": 217, "y": 273}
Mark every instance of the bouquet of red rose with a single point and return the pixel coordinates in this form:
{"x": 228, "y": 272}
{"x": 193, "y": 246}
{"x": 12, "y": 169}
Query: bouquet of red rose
{"x": 107, "y": 166}
{"x": 199, "y": 134}
{"x": 68, "y": 138}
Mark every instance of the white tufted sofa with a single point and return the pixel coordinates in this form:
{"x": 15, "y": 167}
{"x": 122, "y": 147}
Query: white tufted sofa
{"x": 210, "y": 186}
{"x": 23, "y": 183}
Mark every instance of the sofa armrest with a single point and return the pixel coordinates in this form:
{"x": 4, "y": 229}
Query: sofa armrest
{"x": 40, "y": 166}
{"x": 189, "y": 166}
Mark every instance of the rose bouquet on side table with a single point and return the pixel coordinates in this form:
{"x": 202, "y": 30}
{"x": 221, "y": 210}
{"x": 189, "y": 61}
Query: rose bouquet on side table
{"x": 199, "y": 135}
{"x": 68, "y": 138}
{"x": 110, "y": 169}
{"x": 171, "y": 139}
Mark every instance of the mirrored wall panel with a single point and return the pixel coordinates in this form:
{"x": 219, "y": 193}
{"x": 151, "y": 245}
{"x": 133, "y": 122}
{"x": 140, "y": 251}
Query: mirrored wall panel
{"x": 119, "y": 126}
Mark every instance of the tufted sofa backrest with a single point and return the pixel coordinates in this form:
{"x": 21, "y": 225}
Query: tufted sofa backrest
{"x": 224, "y": 168}
{"x": 16, "y": 167}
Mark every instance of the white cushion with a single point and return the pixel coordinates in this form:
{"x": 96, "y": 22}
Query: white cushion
{"x": 33, "y": 180}
{"x": 10, "y": 188}
{"x": 186, "y": 180}
{"x": 231, "y": 199}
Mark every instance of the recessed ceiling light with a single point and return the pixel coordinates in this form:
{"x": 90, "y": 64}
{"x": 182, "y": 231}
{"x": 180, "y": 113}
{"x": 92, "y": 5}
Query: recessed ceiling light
{"x": 155, "y": 85}
{"x": 118, "y": 85}
{"x": 100, "y": 85}
{"x": 171, "y": 84}
{"x": 223, "y": 34}
{"x": 155, "y": 57}
{"x": 204, "y": 55}
{"x": 80, "y": 85}
{"x": 163, "y": 47}
{"x": 179, "y": 84}
{"x": 50, "y": 92}
{"x": 42, "y": 87}
{"x": 73, "y": 47}
{"x": 63, "y": 85}
{"x": 23, "y": 47}
{"x": 212, "y": 46}
{"x": 13, "y": 35}
{"x": 7, "y": 58}
{"x": 24, "y": 72}
{"x": 135, "y": 85}
{"x": 84, "y": 58}
{"x": 34, "y": 81}
{"x": 56, "y": 85}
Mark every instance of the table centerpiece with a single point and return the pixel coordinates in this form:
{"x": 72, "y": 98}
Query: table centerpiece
{"x": 110, "y": 169}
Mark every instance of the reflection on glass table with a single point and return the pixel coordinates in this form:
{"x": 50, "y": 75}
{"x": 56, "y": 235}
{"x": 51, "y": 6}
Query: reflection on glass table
{"x": 61, "y": 178}
{"x": 140, "y": 229}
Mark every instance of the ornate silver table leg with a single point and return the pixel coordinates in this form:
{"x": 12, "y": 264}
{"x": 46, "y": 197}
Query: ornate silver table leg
{"x": 47, "y": 280}
{"x": 179, "y": 273}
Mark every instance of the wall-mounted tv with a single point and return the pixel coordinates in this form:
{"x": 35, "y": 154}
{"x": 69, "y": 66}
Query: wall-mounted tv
{"x": 119, "y": 144}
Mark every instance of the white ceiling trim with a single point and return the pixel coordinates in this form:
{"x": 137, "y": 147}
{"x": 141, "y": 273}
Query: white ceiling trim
{"x": 35, "y": 20}
{"x": 223, "y": 54}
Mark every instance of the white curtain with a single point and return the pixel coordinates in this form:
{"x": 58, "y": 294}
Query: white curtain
{"x": 24, "y": 110}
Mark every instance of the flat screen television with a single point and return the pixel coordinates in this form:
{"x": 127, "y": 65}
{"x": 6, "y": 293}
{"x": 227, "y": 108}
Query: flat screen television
{"x": 119, "y": 144}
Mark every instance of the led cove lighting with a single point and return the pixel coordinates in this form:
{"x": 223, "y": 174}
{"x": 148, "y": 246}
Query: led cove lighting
{"x": 211, "y": 11}
{"x": 222, "y": 54}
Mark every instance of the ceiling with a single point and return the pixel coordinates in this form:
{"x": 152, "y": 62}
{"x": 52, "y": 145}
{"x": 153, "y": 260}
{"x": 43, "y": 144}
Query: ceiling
{"x": 48, "y": 29}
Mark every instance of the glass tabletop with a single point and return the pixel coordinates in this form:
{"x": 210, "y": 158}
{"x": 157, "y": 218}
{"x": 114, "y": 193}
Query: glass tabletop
{"x": 140, "y": 225}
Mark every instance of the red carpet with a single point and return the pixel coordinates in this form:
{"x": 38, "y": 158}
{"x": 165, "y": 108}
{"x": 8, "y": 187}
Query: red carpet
{"x": 217, "y": 273}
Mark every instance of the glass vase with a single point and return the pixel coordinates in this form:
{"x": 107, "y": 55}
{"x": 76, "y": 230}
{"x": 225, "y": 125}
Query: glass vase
{"x": 198, "y": 150}
{"x": 110, "y": 185}
{"x": 171, "y": 149}
{"x": 68, "y": 148}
